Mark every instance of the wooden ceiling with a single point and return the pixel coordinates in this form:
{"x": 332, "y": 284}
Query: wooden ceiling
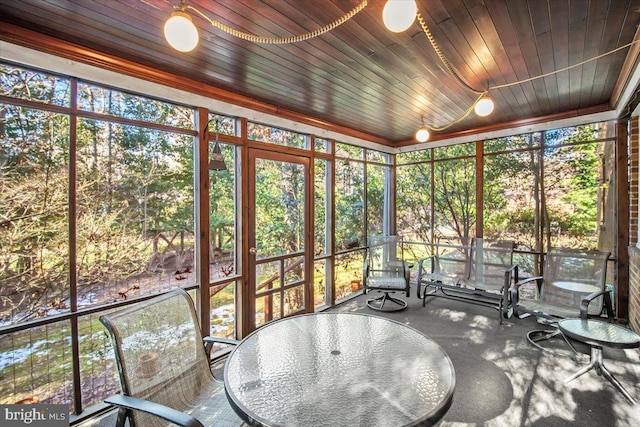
{"x": 362, "y": 76}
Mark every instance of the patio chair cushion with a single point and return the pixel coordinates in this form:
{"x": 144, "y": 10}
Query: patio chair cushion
{"x": 386, "y": 282}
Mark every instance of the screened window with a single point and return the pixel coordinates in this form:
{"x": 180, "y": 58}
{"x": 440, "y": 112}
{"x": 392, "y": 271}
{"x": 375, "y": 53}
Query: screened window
{"x": 127, "y": 231}
{"x": 97, "y": 99}
{"x": 273, "y": 135}
{"x": 349, "y": 205}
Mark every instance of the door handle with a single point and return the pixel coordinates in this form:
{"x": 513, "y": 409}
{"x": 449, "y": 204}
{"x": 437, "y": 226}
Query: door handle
{"x": 253, "y": 251}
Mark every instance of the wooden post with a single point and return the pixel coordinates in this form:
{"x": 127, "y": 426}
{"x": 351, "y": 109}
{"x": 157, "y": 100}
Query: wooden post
{"x": 202, "y": 251}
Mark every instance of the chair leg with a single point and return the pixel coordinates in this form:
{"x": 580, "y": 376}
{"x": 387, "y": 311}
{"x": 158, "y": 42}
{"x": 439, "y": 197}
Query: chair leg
{"x": 379, "y": 302}
{"x": 537, "y": 335}
{"x": 122, "y": 417}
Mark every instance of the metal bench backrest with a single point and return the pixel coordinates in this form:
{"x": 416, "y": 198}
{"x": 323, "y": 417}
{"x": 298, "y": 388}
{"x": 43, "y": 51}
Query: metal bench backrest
{"x": 488, "y": 263}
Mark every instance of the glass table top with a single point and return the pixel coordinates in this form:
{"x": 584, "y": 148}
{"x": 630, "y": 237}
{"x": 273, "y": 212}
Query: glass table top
{"x": 575, "y": 286}
{"x": 339, "y": 369}
{"x": 599, "y": 332}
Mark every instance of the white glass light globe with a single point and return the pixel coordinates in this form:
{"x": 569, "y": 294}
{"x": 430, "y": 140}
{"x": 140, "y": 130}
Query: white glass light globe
{"x": 422, "y": 135}
{"x": 398, "y": 15}
{"x": 484, "y": 107}
{"x": 180, "y": 32}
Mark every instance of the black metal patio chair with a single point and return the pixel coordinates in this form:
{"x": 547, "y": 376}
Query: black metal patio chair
{"x": 386, "y": 271}
{"x": 163, "y": 364}
{"x": 572, "y": 286}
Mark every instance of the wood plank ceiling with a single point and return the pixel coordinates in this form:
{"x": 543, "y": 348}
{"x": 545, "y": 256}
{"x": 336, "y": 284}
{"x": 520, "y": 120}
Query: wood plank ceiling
{"x": 362, "y": 76}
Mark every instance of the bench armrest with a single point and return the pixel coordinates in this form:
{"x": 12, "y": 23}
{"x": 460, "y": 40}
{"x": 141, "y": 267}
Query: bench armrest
{"x": 528, "y": 280}
{"x": 421, "y": 265}
{"x": 153, "y": 408}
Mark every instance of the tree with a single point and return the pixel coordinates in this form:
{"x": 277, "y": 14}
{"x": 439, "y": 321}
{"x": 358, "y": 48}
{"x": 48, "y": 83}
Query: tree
{"x": 33, "y": 207}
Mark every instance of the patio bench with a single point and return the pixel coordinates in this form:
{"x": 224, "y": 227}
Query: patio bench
{"x": 479, "y": 274}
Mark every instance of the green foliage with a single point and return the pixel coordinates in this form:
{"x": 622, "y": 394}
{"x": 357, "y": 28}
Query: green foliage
{"x": 349, "y": 205}
{"x": 130, "y": 180}
{"x": 33, "y": 210}
{"x": 413, "y": 201}
{"x": 512, "y": 190}
{"x": 454, "y": 200}
{"x": 376, "y": 179}
{"x": 279, "y": 192}
{"x": 320, "y": 206}
{"x": 273, "y": 135}
{"x": 349, "y": 151}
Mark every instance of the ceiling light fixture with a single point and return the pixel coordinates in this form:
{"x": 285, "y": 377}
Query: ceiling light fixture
{"x": 398, "y": 15}
{"x": 180, "y": 32}
{"x": 484, "y": 106}
{"x": 188, "y": 29}
{"x": 422, "y": 135}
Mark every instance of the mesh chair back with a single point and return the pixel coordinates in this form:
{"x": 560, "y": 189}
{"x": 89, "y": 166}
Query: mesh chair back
{"x": 489, "y": 262}
{"x": 160, "y": 353}
{"x": 384, "y": 258}
{"x": 570, "y": 275}
{"x": 451, "y": 262}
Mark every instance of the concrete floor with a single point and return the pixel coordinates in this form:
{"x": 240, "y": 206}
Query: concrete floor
{"x": 501, "y": 380}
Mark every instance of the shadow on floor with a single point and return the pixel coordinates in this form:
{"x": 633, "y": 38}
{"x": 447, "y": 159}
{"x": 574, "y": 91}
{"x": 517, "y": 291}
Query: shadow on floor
{"x": 501, "y": 380}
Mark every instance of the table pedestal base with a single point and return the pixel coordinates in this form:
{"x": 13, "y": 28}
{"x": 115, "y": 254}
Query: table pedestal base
{"x": 598, "y": 364}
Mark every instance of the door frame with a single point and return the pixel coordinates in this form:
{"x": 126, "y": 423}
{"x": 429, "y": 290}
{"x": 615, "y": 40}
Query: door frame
{"x": 254, "y": 153}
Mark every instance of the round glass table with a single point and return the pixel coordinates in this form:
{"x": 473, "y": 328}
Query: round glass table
{"x": 597, "y": 333}
{"x": 576, "y": 286}
{"x": 339, "y": 369}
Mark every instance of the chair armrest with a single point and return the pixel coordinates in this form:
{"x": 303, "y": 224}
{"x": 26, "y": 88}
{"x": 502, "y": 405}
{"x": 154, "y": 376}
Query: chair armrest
{"x": 153, "y": 408}
{"x": 407, "y": 277}
{"x": 421, "y": 271}
{"x": 584, "y": 303}
{"x": 407, "y": 273}
{"x": 218, "y": 340}
{"x": 210, "y": 341}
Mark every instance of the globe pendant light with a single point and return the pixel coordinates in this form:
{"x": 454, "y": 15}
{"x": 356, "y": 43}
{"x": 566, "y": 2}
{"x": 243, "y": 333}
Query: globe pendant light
{"x": 484, "y": 106}
{"x": 180, "y": 32}
{"x": 398, "y": 15}
{"x": 422, "y": 135}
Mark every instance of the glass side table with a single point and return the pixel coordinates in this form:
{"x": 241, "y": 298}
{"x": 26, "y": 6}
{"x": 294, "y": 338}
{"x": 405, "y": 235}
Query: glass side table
{"x": 598, "y": 334}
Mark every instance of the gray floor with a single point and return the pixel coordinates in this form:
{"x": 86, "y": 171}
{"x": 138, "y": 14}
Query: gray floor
{"x": 501, "y": 380}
